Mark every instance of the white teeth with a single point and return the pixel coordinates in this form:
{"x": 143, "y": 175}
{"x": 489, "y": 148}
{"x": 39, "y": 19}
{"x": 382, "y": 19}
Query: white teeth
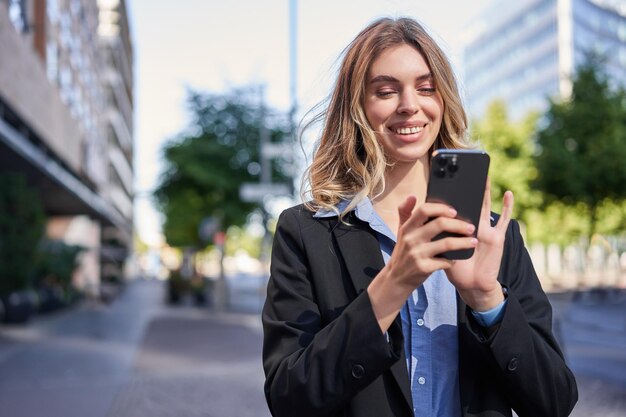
{"x": 408, "y": 130}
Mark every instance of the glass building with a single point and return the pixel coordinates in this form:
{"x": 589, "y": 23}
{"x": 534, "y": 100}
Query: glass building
{"x": 66, "y": 123}
{"x": 526, "y": 51}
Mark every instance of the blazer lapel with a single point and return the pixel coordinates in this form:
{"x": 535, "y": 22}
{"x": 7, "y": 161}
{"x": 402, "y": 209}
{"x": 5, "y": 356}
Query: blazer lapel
{"x": 360, "y": 251}
{"x": 466, "y": 384}
{"x": 361, "y": 254}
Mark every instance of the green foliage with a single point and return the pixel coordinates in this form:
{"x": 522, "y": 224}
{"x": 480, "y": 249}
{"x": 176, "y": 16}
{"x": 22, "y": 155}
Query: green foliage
{"x": 206, "y": 166}
{"x": 240, "y": 239}
{"x": 557, "y": 222}
{"x": 511, "y": 150}
{"x": 55, "y": 262}
{"x": 583, "y": 144}
{"x": 21, "y": 226}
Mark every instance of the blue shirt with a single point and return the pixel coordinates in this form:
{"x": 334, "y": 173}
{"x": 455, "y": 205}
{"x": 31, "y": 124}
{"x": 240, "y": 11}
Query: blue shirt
{"x": 429, "y": 325}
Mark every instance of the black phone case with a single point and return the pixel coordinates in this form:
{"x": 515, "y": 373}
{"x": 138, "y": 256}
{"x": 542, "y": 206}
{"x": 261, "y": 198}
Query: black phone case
{"x": 458, "y": 179}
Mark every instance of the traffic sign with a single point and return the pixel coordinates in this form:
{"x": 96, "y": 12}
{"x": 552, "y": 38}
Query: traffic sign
{"x": 253, "y": 192}
{"x": 274, "y": 150}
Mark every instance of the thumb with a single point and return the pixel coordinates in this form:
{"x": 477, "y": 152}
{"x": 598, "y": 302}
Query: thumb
{"x": 405, "y": 209}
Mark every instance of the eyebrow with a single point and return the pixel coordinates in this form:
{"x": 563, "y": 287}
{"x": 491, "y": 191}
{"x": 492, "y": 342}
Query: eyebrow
{"x": 389, "y": 78}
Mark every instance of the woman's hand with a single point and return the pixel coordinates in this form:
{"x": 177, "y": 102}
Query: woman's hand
{"x": 414, "y": 256}
{"x": 476, "y": 278}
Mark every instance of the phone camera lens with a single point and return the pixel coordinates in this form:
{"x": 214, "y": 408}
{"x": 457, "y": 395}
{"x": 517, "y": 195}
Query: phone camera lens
{"x": 442, "y": 161}
{"x": 453, "y": 167}
{"x": 441, "y": 172}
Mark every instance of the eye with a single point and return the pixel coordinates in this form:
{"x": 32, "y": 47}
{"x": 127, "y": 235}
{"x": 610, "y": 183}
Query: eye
{"x": 427, "y": 91}
{"x": 385, "y": 93}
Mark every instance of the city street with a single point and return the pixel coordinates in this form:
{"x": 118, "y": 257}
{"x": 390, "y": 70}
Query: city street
{"x": 139, "y": 357}
{"x": 592, "y": 331}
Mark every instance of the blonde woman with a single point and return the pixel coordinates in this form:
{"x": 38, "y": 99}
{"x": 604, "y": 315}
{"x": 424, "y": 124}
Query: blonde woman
{"x": 362, "y": 317}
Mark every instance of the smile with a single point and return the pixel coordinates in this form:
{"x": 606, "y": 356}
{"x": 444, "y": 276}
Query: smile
{"x": 408, "y": 130}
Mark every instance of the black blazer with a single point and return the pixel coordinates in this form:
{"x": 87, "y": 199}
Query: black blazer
{"x": 324, "y": 353}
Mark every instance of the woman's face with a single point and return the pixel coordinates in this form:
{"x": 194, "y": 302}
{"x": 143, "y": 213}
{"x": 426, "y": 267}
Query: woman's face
{"x": 402, "y": 105}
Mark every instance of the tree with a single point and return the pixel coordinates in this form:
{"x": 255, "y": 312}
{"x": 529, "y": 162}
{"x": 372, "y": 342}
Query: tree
{"x": 206, "y": 165}
{"x": 582, "y": 147}
{"x": 511, "y": 149}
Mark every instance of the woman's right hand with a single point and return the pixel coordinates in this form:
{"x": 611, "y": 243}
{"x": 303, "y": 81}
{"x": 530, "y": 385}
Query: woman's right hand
{"x": 414, "y": 257}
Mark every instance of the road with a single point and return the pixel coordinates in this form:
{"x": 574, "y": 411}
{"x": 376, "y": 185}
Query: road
{"x": 139, "y": 357}
{"x": 591, "y": 327}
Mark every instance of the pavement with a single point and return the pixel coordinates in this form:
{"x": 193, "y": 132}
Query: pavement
{"x": 139, "y": 357}
{"x": 135, "y": 357}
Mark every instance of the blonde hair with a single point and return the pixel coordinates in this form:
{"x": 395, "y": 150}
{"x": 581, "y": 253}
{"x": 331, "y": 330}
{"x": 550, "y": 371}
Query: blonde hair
{"x": 349, "y": 162}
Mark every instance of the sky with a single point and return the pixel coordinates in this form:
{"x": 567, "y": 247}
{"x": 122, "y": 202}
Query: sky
{"x": 211, "y": 45}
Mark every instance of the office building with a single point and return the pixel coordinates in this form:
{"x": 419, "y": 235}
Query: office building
{"x": 66, "y": 121}
{"x": 526, "y": 51}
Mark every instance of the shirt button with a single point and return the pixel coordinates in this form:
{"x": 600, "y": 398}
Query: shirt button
{"x": 420, "y": 322}
{"x": 421, "y": 380}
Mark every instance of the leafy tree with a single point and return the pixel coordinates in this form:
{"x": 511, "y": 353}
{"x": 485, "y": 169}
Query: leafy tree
{"x": 582, "y": 147}
{"x": 511, "y": 150}
{"x": 208, "y": 163}
{"x": 21, "y": 226}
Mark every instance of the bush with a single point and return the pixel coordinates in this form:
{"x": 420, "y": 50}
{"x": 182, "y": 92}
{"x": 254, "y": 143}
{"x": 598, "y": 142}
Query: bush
{"x": 55, "y": 262}
{"x": 21, "y": 227}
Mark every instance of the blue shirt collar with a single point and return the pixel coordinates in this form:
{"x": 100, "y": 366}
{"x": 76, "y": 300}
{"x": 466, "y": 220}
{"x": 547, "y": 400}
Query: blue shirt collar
{"x": 364, "y": 211}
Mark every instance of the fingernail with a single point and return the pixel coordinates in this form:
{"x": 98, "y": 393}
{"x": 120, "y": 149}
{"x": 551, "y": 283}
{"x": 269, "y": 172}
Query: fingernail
{"x": 453, "y": 212}
{"x": 470, "y": 228}
{"x": 474, "y": 242}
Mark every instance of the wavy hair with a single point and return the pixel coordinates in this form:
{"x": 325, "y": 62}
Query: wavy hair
{"x": 349, "y": 163}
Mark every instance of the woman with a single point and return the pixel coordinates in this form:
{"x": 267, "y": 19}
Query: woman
{"x": 362, "y": 317}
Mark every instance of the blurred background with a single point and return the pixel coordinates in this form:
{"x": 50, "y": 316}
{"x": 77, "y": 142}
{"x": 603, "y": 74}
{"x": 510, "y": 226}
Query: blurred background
{"x": 147, "y": 148}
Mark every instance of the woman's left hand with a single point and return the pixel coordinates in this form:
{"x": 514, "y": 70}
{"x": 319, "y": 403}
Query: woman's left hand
{"x": 476, "y": 278}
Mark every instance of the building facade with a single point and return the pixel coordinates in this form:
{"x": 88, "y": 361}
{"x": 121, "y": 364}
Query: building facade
{"x": 66, "y": 121}
{"x": 526, "y": 51}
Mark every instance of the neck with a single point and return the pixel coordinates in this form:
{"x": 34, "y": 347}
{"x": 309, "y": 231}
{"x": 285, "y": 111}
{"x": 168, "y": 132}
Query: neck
{"x": 401, "y": 181}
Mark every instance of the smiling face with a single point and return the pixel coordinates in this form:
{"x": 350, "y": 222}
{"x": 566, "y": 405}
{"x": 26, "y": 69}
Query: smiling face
{"x": 402, "y": 104}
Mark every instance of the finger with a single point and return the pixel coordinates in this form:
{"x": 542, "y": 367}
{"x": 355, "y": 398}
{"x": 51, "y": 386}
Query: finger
{"x": 485, "y": 213}
{"x": 442, "y": 263}
{"x": 448, "y": 244}
{"x": 405, "y": 209}
{"x": 444, "y": 224}
{"x": 429, "y": 211}
{"x": 507, "y": 211}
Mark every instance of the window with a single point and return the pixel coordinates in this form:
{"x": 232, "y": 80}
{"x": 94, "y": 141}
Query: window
{"x": 52, "y": 60}
{"x": 52, "y": 8}
{"x": 17, "y": 15}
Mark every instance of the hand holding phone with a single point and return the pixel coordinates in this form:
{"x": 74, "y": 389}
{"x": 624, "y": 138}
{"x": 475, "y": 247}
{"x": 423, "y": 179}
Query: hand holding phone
{"x": 458, "y": 178}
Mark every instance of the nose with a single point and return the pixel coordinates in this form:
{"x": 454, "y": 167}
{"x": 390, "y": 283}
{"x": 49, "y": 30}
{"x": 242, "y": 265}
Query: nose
{"x": 409, "y": 102}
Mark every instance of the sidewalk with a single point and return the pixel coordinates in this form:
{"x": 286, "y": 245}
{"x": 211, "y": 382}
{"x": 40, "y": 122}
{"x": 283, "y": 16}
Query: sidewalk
{"x": 73, "y": 363}
{"x": 192, "y": 363}
{"x": 136, "y": 357}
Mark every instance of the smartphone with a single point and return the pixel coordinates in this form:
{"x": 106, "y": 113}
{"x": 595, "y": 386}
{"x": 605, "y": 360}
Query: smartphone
{"x": 458, "y": 178}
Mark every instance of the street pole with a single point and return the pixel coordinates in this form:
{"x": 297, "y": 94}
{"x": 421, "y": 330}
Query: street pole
{"x": 266, "y": 175}
{"x": 293, "y": 81}
{"x": 293, "y": 60}
{"x": 264, "y": 139}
